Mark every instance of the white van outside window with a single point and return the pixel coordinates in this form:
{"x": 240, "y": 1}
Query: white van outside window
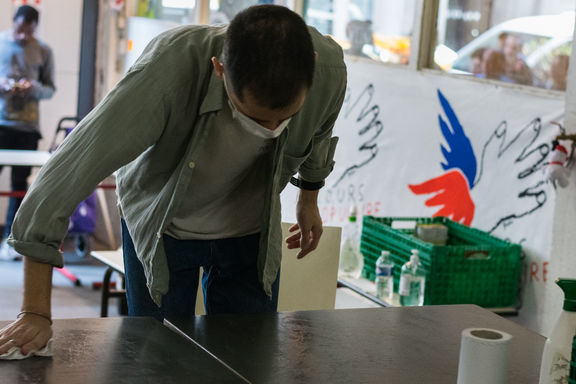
{"x": 529, "y": 50}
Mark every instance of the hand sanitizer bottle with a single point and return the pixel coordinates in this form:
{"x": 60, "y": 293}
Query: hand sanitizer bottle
{"x": 555, "y": 366}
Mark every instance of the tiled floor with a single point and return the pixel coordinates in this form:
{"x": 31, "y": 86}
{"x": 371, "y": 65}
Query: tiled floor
{"x": 70, "y": 301}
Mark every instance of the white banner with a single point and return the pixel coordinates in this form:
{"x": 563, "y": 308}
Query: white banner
{"x": 422, "y": 145}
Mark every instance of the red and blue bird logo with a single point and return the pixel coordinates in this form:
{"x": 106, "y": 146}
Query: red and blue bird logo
{"x": 451, "y": 190}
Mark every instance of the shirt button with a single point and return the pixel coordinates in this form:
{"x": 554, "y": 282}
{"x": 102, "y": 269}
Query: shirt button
{"x": 191, "y": 164}
{"x": 158, "y": 235}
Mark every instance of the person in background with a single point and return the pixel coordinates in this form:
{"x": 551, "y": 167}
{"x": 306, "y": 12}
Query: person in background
{"x": 494, "y": 66}
{"x": 206, "y": 129}
{"x": 26, "y": 77}
{"x": 516, "y": 67}
{"x": 559, "y": 72}
{"x": 359, "y": 33}
{"x": 477, "y": 61}
{"x": 502, "y": 40}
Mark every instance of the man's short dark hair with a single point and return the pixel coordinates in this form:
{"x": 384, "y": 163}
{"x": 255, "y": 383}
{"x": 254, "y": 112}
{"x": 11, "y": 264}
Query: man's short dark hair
{"x": 30, "y": 14}
{"x": 269, "y": 51}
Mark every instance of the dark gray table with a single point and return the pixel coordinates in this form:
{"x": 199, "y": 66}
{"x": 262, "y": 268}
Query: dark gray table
{"x": 117, "y": 350}
{"x": 412, "y": 345}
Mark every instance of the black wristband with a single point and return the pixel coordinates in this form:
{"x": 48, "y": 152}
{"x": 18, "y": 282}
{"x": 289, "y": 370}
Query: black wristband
{"x": 306, "y": 185}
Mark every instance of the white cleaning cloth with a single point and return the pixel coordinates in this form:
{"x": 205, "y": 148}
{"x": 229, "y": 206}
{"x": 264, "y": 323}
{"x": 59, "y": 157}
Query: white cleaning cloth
{"x": 15, "y": 354}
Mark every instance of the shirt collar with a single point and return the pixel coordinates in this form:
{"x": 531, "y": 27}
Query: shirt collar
{"x": 215, "y": 96}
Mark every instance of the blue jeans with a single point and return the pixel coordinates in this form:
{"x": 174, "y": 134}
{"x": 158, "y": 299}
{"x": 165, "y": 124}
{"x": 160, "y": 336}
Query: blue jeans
{"x": 230, "y": 278}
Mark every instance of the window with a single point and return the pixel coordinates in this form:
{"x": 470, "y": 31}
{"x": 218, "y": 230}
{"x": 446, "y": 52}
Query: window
{"x": 177, "y": 11}
{"x": 222, "y": 11}
{"x": 375, "y": 29}
{"x": 516, "y": 41}
{"x": 186, "y": 4}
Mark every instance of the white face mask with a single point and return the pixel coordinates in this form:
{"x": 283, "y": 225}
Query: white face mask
{"x": 253, "y": 127}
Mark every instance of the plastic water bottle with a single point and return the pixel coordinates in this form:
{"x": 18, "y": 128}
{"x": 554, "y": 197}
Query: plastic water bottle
{"x": 351, "y": 260}
{"x": 384, "y": 277}
{"x": 412, "y": 281}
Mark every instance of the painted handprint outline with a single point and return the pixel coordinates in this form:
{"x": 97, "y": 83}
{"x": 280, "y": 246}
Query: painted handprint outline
{"x": 371, "y": 128}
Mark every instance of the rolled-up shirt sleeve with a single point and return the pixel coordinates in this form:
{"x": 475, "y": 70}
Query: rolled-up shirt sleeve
{"x": 320, "y": 162}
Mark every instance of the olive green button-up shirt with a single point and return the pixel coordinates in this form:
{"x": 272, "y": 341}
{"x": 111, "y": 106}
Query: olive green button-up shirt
{"x": 150, "y": 128}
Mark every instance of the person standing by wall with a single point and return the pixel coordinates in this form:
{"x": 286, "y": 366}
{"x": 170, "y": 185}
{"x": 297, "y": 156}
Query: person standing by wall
{"x": 477, "y": 61}
{"x": 516, "y": 67}
{"x": 26, "y": 77}
{"x": 494, "y": 66}
{"x": 559, "y": 73}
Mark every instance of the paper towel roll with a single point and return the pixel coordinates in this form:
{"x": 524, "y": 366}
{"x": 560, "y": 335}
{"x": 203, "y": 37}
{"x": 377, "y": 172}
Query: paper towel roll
{"x": 483, "y": 356}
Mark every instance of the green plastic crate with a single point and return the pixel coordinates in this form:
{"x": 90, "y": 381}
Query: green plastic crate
{"x": 472, "y": 268}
